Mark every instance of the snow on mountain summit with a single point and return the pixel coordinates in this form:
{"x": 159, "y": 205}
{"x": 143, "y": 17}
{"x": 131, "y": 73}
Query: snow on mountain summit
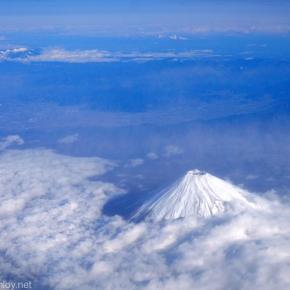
{"x": 198, "y": 194}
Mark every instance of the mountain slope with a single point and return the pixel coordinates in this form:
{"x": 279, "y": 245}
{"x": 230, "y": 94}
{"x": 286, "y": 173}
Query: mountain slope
{"x": 198, "y": 194}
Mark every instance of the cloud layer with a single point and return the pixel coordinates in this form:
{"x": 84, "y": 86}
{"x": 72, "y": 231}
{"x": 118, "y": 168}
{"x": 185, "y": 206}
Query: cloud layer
{"x": 52, "y": 231}
{"x": 22, "y": 54}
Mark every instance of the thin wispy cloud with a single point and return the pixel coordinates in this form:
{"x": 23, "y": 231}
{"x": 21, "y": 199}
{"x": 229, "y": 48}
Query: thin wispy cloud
{"x": 172, "y": 150}
{"x": 69, "y": 139}
{"x": 85, "y": 56}
{"x": 135, "y": 162}
{"x": 152, "y": 156}
{"x": 10, "y": 140}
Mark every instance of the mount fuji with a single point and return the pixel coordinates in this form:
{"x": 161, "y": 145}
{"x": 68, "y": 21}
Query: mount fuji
{"x": 198, "y": 194}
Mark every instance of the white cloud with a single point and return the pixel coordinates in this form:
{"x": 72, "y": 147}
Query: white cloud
{"x": 135, "y": 162}
{"x": 14, "y": 52}
{"x": 52, "y": 229}
{"x": 76, "y": 56}
{"x": 176, "y": 37}
{"x": 124, "y": 239}
{"x": 172, "y": 150}
{"x": 10, "y": 140}
{"x": 252, "y": 177}
{"x": 95, "y": 55}
{"x": 70, "y": 139}
{"x": 152, "y": 156}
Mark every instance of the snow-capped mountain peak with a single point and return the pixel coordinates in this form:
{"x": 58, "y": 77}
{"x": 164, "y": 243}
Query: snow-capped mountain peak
{"x": 198, "y": 194}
